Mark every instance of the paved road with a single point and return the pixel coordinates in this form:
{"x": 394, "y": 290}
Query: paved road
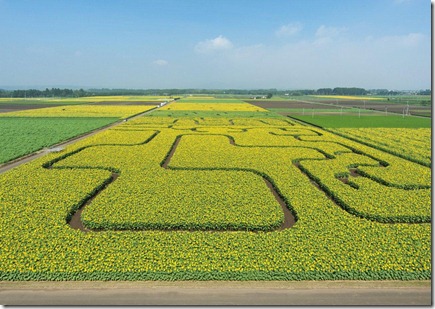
{"x": 216, "y": 293}
{"x": 15, "y": 163}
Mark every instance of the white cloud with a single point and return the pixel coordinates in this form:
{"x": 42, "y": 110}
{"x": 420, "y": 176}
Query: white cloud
{"x": 328, "y": 32}
{"x": 408, "y": 40}
{"x": 325, "y": 34}
{"x": 217, "y": 44}
{"x": 289, "y": 30}
{"x": 160, "y": 62}
{"x": 392, "y": 62}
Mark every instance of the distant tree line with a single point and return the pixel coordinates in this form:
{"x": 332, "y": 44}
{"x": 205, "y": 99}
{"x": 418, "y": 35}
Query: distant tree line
{"x": 70, "y": 93}
{"x": 424, "y": 92}
{"x": 342, "y": 91}
{"x": 34, "y": 93}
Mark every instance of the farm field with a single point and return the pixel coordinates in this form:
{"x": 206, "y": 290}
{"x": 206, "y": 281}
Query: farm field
{"x": 8, "y": 105}
{"x": 27, "y": 131}
{"x": 192, "y": 193}
{"x": 119, "y": 111}
{"x": 413, "y": 105}
{"x": 83, "y": 100}
{"x": 418, "y": 105}
{"x": 411, "y": 143}
{"x": 23, "y": 135}
{"x": 364, "y": 121}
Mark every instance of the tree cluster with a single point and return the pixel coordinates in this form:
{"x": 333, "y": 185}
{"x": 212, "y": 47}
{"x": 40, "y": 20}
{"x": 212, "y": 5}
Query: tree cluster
{"x": 70, "y": 93}
{"x": 342, "y": 91}
{"x": 53, "y": 92}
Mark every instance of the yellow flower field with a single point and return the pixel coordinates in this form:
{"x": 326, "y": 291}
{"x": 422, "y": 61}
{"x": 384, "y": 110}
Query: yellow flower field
{"x": 83, "y": 111}
{"x": 238, "y": 107}
{"x": 186, "y": 199}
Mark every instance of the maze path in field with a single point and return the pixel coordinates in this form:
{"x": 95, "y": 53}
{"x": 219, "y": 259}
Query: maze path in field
{"x": 360, "y": 159}
{"x": 299, "y": 134}
{"x": 289, "y": 215}
{"x": 74, "y": 219}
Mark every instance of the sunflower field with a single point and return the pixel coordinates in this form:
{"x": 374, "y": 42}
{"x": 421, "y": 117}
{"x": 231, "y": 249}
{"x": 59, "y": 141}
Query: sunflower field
{"x": 198, "y": 198}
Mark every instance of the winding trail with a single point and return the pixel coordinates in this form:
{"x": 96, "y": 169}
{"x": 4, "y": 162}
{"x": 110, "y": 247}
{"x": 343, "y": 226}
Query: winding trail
{"x": 289, "y": 218}
{"x": 75, "y": 221}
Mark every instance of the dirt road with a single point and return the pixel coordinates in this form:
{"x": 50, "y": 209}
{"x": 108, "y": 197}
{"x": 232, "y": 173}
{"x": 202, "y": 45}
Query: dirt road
{"x": 14, "y": 163}
{"x": 217, "y": 293}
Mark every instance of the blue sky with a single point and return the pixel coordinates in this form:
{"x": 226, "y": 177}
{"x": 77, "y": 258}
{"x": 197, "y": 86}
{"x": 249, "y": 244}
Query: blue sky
{"x": 284, "y": 44}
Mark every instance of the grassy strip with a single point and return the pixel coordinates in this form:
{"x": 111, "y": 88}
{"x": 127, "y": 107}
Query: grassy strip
{"x": 346, "y": 121}
{"x": 215, "y": 275}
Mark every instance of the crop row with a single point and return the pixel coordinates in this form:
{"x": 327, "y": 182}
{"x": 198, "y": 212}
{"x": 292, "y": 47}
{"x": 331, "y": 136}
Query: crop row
{"x": 327, "y": 242}
{"x": 185, "y": 200}
{"x": 168, "y": 199}
{"x": 83, "y": 111}
{"x": 215, "y": 105}
{"x": 412, "y": 144}
{"x": 23, "y": 135}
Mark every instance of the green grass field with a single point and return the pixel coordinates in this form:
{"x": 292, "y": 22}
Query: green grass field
{"x": 398, "y": 99}
{"x": 353, "y": 121}
{"x": 23, "y": 135}
{"x": 309, "y": 111}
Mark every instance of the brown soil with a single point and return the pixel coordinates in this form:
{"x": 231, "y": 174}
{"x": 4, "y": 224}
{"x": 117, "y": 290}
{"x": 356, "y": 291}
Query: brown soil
{"x": 7, "y": 108}
{"x": 354, "y": 172}
{"x": 11, "y": 107}
{"x": 328, "y": 104}
{"x": 171, "y": 152}
{"x": 289, "y": 219}
{"x": 298, "y": 165}
{"x": 217, "y": 293}
{"x": 76, "y": 222}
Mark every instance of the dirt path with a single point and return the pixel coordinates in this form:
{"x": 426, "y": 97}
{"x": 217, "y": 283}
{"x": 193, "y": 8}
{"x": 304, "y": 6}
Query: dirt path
{"x": 289, "y": 218}
{"x": 17, "y": 162}
{"x": 217, "y": 293}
